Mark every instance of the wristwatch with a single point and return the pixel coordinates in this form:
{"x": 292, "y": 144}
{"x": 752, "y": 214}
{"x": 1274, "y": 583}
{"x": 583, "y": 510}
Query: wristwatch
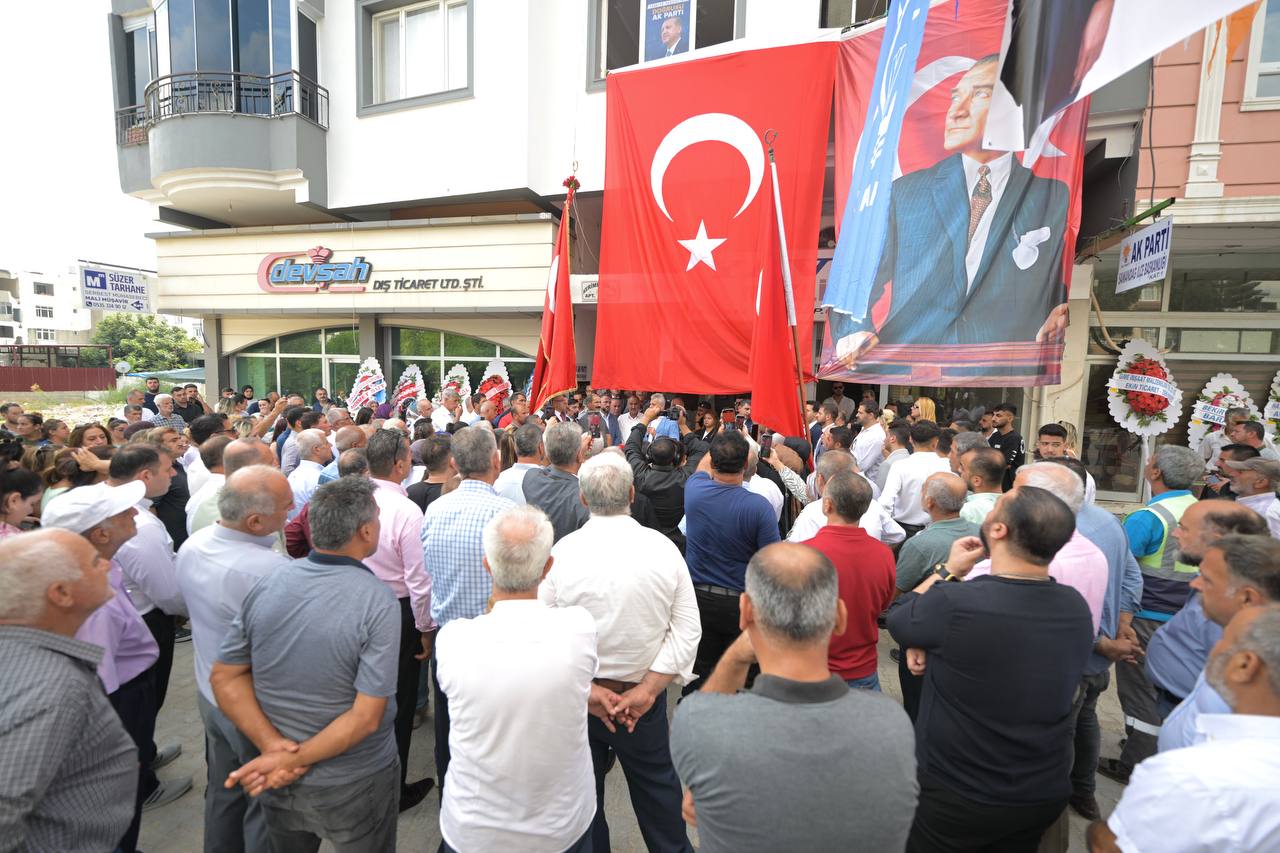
{"x": 940, "y": 569}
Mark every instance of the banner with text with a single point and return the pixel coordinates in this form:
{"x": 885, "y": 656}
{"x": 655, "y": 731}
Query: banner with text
{"x": 1144, "y": 256}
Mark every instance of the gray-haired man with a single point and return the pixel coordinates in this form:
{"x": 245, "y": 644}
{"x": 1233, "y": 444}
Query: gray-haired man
{"x": 844, "y": 777}
{"x": 307, "y": 672}
{"x": 217, "y": 566}
{"x": 554, "y": 489}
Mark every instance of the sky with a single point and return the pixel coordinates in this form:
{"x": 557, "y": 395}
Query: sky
{"x": 60, "y": 195}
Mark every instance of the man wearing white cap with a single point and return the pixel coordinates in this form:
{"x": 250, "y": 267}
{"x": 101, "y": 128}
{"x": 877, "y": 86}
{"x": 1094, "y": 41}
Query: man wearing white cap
{"x": 104, "y": 515}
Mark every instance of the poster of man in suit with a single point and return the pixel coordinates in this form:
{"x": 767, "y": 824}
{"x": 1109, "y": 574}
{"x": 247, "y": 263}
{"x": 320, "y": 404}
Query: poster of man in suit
{"x": 666, "y": 28}
{"x": 972, "y": 277}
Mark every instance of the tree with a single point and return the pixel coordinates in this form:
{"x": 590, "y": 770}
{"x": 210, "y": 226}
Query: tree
{"x": 145, "y": 342}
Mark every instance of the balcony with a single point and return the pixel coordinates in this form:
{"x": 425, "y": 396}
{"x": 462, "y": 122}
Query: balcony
{"x": 241, "y": 149}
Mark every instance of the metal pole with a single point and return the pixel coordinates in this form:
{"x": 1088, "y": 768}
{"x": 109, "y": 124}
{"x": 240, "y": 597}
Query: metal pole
{"x": 770, "y": 137}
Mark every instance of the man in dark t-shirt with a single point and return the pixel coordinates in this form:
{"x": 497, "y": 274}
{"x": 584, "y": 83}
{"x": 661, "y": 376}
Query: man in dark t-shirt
{"x": 1002, "y": 657}
{"x": 1007, "y": 440}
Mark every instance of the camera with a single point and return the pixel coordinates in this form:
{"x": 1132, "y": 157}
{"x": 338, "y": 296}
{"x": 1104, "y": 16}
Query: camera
{"x": 594, "y": 426}
{"x": 766, "y": 445}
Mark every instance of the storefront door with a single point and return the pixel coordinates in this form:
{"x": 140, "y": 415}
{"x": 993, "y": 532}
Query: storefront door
{"x": 341, "y": 374}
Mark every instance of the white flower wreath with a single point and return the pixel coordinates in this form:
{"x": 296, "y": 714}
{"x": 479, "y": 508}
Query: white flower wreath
{"x": 1141, "y": 380}
{"x": 1223, "y": 391}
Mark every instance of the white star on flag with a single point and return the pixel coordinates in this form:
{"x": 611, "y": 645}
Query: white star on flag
{"x": 701, "y": 247}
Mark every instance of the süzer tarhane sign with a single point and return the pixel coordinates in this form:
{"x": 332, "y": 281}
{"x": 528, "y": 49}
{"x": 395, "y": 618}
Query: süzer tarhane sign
{"x": 283, "y": 273}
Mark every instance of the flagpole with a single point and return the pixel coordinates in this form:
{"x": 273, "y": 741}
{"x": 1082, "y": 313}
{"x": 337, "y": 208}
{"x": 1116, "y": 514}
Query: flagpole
{"x": 769, "y": 137}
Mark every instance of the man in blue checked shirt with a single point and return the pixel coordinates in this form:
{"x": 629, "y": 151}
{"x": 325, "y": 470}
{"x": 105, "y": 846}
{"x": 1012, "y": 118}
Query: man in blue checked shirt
{"x": 453, "y": 551}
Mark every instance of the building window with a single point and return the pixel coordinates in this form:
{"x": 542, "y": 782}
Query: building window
{"x": 845, "y": 13}
{"x": 43, "y": 335}
{"x": 627, "y": 32}
{"x": 1262, "y": 72}
{"x": 43, "y": 289}
{"x": 44, "y": 312}
{"x": 420, "y": 50}
{"x": 300, "y": 362}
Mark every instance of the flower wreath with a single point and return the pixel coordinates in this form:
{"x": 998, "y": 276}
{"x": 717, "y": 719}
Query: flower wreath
{"x": 1271, "y": 416}
{"x": 1220, "y": 393}
{"x": 497, "y": 384}
{"x": 1141, "y": 394}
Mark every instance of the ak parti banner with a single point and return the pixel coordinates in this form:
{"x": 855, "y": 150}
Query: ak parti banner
{"x": 970, "y": 278}
{"x": 684, "y": 193}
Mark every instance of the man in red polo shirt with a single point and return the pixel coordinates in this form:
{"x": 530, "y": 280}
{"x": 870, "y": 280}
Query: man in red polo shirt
{"x": 865, "y": 570}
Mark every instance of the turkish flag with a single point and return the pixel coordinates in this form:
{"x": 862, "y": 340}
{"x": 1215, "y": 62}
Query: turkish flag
{"x": 685, "y": 186}
{"x": 555, "y": 370}
{"x": 774, "y": 382}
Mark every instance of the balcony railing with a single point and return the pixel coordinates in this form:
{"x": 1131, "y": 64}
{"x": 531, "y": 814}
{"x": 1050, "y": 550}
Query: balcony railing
{"x": 286, "y": 93}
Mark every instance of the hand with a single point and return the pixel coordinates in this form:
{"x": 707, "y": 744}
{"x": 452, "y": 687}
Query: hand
{"x": 1128, "y": 651}
{"x": 585, "y": 450}
{"x": 602, "y": 703}
{"x": 634, "y": 704}
{"x": 428, "y": 643}
{"x": 1055, "y": 326}
{"x": 266, "y": 772}
{"x": 741, "y": 651}
{"x": 851, "y": 348}
{"x": 1124, "y": 630}
{"x": 965, "y": 554}
{"x": 915, "y": 661}
{"x": 686, "y": 809}
{"x": 88, "y": 462}
{"x": 651, "y": 413}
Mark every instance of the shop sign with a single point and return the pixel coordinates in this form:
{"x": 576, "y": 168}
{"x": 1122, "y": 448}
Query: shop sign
{"x": 1144, "y": 257}
{"x": 108, "y": 290}
{"x": 282, "y": 273}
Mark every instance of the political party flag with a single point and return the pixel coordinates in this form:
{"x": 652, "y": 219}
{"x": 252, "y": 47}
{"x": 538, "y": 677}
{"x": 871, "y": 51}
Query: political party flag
{"x": 680, "y": 255}
{"x": 410, "y": 387}
{"x": 1056, "y": 52}
{"x": 970, "y": 276}
{"x": 774, "y": 369}
{"x": 369, "y": 388}
{"x": 555, "y": 370}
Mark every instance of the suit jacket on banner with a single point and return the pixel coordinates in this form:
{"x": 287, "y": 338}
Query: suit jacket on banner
{"x": 685, "y": 192}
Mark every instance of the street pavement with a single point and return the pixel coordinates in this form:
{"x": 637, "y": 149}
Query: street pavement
{"x": 177, "y": 828}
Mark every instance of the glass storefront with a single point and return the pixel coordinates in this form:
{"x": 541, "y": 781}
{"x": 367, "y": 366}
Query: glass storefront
{"x": 435, "y": 352}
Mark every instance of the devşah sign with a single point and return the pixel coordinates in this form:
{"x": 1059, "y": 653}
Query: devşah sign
{"x": 282, "y": 273}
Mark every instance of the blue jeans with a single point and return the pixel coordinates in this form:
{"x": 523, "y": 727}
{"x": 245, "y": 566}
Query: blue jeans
{"x": 867, "y": 682}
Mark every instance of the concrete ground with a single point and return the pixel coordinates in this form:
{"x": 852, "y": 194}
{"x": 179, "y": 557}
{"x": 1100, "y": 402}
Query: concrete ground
{"x": 177, "y": 828}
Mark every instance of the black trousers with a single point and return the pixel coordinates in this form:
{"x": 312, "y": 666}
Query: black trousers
{"x": 946, "y": 822}
{"x": 719, "y": 616}
{"x": 135, "y": 704}
{"x": 912, "y": 686}
{"x": 441, "y": 719}
{"x": 161, "y": 626}
{"x": 656, "y": 796}
{"x": 407, "y": 684}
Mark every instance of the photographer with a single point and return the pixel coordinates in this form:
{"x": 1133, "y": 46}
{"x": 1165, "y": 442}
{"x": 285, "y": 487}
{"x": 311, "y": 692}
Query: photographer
{"x": 660, "y": 471}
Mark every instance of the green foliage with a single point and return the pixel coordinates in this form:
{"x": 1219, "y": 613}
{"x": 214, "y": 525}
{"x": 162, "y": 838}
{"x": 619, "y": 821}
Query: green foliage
{"x": 145, "y": 342}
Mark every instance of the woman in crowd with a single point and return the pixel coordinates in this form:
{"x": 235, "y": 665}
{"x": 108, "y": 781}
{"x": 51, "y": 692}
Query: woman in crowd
{"x": 55, "y": 432}
{"x": 364, "y": 416}
{"x": 923, "y": 409}
{"x": 73, "y": 467}
{"x": 20, "y": 492}
{"x": 36, "y": 458}
{"x": 30, "y": 426}
{"x": 115, "y": 427}
{"x": 234, "y": 407}
{"x": 708, "y": 426}
{"x": 91, "y": 435}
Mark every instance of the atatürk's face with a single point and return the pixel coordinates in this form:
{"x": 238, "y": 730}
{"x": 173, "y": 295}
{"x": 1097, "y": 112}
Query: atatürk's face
{"x": 967, "y": 116}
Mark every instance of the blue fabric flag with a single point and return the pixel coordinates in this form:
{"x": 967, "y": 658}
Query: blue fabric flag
{"x": 866, "y": 212}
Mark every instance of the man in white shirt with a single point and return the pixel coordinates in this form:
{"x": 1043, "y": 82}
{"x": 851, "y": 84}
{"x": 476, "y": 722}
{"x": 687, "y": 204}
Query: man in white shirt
{"x": 449, "y": 410}
{"x": 217, "y": 566}
{"x": 631, "y": 416}
{"x": 211, "y": 463}
{"x": 897, "y": 446}
{"x": 982, "y": 470}
{"x": 878, "y": 523}
{"x": 648, "y": 629}
{"x": 314, "y": 453}
{"x": 1254, "y": 482}
{"x": 202, "y": 508}
{"x": 529, "y": 455}
{"x": 133, "y": 398}
{"x": 1211, "y": 445}
{"x": 762, "y": 486}
{"x": 868, "y": 445}
{"x": 1219, "y": 794}
{"x": 519, "y": 776}
{"x": 842, "y": 403}
{"x": 901, "y": 497}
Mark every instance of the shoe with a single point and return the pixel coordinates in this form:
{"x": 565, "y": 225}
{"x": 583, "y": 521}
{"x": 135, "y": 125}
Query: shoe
{"x": 1086, "y": 805}
{"x": 415, "y": 792}
{"x": 166, "y": 755}
{"x": 167, "y": 792}
{"x": 1114, "y": 770}
{"x": 182, "y": 635}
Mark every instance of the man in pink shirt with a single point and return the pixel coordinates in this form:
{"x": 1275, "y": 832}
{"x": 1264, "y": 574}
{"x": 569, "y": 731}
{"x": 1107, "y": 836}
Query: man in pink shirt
{"x": 398, "y": 564}
{"x": 1079, "y": 564}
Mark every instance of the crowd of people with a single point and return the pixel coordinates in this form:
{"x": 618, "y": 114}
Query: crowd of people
{"x": 540, "y": 582}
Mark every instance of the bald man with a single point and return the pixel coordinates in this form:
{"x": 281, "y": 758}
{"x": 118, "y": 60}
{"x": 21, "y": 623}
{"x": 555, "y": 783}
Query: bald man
{"x": 346, "y": 438}
{"x": 217, "y": 566}
{"x": 240, "y": 453}
{"x": 62, "y": 743}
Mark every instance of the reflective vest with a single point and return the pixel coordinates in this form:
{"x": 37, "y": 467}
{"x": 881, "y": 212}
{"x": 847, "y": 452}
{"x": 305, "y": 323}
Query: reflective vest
{"x": 1164, "y": 562}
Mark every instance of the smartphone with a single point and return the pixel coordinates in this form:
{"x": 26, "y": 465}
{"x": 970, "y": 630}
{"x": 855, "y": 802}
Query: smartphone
{"x": 726, "y": 419}
{"x": 594, "y": 423}
{"x": 740, "y": 422}
{"x": 766, "y": 445}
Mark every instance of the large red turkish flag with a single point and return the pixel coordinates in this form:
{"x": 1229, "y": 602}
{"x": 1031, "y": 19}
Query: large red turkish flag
{"x": 684, "y": 191}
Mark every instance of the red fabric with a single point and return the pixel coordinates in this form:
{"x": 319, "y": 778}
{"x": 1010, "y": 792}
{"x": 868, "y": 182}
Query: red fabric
{"x": 297, "y": 534}
{"x": 555, "y": 371}
{"x": 662, "y": 323}
{"x": 775, "y": 396}
{"x": 865, "y": 570}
